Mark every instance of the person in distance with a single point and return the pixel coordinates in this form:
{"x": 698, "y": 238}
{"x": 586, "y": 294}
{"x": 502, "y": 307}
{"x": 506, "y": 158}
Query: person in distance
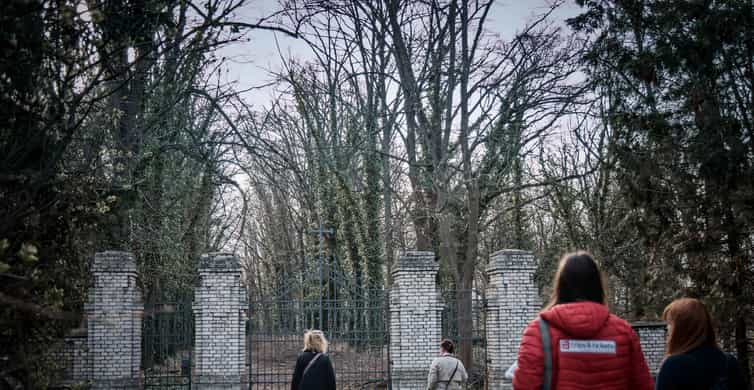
{"x": 447, "y": 372}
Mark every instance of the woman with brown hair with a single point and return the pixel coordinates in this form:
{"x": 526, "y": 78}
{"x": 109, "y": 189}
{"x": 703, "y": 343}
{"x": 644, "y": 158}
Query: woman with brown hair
{"x": 693, "y": 359}
{"x": 446, "y": 371}
{"x": 588, "y": 347}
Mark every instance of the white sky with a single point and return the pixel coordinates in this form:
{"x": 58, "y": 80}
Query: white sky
{"x": 249, "y": 63}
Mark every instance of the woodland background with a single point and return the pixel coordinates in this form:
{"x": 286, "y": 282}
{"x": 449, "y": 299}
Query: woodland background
{"x": 626, "y": 132}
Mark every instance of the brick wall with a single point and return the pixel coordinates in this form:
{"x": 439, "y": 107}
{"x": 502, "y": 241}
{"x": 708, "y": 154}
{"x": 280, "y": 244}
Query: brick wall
{"x": 652, "y": 339}
{"x": 512, "y": 302}
{"x": 109, "y": 352}
{"x": 114, "y": 312}
{"x": 71, "y": 358}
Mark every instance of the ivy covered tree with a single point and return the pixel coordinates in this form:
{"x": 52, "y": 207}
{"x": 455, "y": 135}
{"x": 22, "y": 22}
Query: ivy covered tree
{"x": 110, "y": 138}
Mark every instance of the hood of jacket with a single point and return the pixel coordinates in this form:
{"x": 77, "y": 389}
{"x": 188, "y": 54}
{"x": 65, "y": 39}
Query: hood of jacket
{"x": 578, "y": 319}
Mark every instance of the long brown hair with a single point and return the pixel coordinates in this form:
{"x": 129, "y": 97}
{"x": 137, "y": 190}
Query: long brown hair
{"x": 690, "y": 326}
{"x": 578, "y": 279}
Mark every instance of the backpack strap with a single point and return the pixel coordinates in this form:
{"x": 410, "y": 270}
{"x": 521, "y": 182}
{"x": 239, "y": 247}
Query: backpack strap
{"x": 544, "y": 330}
{"x": 308, "y": 366}
{"x": 454, "y": 372}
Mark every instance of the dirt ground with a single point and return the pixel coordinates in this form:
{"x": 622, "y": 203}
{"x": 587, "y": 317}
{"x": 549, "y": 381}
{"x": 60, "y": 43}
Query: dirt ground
{"x": 273, "y": 359}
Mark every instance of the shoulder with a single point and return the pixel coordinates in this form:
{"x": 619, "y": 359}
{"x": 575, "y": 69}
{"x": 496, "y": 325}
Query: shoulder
{"x": 452, "y": 359}
{"x": 533, "y": 333}
{"x": 620, "y": 324}
{"x": 620, "y": 327}
{"x": 441, "y": 359}
{"x": 680, "y": 362}
{"x": 674, "y": 372}
{"x": 532, "y": 329}
{"x": 305, "y": 356}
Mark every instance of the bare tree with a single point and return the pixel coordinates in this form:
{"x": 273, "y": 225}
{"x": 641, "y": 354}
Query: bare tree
{"x": 473, "y": 108}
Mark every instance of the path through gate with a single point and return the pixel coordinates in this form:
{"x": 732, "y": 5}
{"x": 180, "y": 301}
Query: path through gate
{"x": 354, "y": 321}
{"x": 167, "y": 344}
{"x": 463, "y": 321}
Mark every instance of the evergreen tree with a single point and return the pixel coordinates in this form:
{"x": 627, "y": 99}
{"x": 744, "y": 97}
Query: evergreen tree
{"x": 678, "y": 76}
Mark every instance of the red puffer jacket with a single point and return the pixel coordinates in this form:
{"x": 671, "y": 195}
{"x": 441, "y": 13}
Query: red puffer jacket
{"x": 591, "y": 349}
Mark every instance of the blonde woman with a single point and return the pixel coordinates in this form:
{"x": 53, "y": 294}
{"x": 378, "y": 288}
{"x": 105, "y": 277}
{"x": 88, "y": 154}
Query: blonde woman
{"x": 314, "y": 370}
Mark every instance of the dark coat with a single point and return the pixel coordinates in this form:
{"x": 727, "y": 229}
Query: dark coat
{"x": 699, "y": 368}
{"x": 321, "y": 375}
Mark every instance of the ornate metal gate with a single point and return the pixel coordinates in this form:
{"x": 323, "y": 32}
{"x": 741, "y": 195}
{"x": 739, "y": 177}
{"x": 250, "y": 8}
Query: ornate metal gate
{"x": 463, "y": 321}
{"x": 167, "y": 344}
{"x": 353, "y": 319}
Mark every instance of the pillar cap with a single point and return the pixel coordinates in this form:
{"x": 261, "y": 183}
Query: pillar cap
{"x": 219, "y": 262}
{"x": 648, "y": 324}
{"x": 114, "y": 262}
{"x": 508, "y": 259}
{"x": 417, "y": 261}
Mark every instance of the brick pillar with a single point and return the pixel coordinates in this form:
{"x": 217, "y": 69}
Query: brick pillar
{"x": 114, "y": 313}
{"x": 512, "y": 302}
{"x": 219, "y": 323}
{"x": 414, "y": 319}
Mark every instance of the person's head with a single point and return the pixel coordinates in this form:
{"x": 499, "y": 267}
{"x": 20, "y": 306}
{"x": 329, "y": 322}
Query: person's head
{"x": 315, "y": 341}
{"x": 578, "y": 279}
{"x": 689, "y": 326}
{"x": 447, "y": 346}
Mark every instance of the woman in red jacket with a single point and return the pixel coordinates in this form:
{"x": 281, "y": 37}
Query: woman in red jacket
{"x": 590, "y": 348}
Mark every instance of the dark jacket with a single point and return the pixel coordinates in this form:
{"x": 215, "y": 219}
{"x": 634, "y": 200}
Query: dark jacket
{"x": 591, "y": 349}
{"x": 699, "y": 369}
{"x": 320, "y": 376}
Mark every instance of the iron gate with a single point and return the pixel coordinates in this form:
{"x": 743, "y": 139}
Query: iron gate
{"x": 354, "y": 320}
{"x": 463, "y": 321}
{"x": 355, "y": 323}
{"x": 167, "y": 344}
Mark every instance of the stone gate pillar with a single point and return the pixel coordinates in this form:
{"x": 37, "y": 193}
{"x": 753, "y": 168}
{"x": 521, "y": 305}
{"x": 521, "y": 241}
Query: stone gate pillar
{"x": 219, "y": 323}
{"x": 652, "y": 336}
{"x": 415, "y": 328}
{"x": 114, "y": 314}
{"x": 512, "y": 302}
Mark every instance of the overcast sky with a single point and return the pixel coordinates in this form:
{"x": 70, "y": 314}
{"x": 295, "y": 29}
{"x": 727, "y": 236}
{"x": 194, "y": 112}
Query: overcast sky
{"x": 249, "y": 63}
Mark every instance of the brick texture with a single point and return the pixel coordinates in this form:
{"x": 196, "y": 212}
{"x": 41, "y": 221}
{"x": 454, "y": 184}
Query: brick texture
{"x": 512, "y": 301}
{"x": 109, "y": 352}
{"x": 114, "y": 315}
{"x": 415, "y": 327}
{"x": 219, "y": 304}
{"x": 652, "y": 339}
